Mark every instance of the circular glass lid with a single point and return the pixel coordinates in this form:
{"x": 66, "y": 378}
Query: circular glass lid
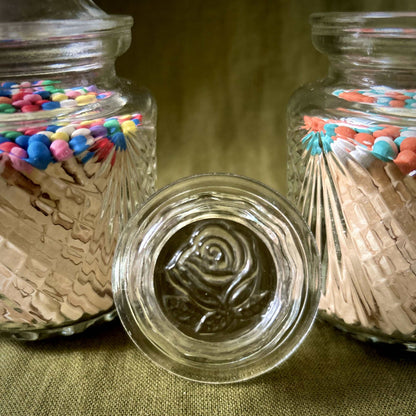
{"x": 216, "y": 278}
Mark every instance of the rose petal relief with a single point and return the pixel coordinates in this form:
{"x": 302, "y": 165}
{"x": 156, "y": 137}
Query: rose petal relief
{"x": 216, "y": 282}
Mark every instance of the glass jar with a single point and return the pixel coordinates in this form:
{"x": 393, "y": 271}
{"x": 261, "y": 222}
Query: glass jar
{"x": 77, "y": 157}
{"x": 352, "y": 162}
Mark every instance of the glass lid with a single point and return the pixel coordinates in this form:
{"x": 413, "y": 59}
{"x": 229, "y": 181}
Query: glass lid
{"x": 216, "y": 278}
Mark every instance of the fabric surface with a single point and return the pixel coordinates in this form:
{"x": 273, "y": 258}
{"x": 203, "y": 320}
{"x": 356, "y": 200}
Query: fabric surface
{"x": 101, "y": 372}
{"x": 222, "y": 73}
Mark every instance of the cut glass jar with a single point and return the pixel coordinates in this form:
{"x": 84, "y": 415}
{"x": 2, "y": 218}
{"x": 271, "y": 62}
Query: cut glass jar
{"x": 77, "y": 157}
{"x": 352, "y": 166}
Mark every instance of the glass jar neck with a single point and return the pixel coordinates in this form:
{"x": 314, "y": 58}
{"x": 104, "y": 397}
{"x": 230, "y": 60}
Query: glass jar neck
{"x": 90, "y": 60}
{"x": 81, "y": 48}
{"x": 77, "y": 73}
{"x": 368, "y": 48}
{"x": 347, "y": 70}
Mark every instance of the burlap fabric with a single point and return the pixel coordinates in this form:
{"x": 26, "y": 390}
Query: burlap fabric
{"x": 102, "y": 373}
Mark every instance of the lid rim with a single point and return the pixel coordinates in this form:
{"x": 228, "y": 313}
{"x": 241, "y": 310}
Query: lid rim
{"x": 35, "y": 30}
{"x": 364, "y": 24}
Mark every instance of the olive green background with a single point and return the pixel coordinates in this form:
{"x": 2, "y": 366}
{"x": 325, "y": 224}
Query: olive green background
{"x": 222, "y": 73}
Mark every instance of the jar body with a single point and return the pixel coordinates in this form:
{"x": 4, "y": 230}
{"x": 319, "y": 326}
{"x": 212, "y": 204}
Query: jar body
{"x": 351, "y": 165}
{"x": 61, "y": 211}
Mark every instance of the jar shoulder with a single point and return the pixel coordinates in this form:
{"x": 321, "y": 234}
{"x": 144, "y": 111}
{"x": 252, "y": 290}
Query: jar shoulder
{"x": 137, "y": 98}
{"x": 316, "y": 94}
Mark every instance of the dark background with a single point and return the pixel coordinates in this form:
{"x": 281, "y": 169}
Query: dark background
{"x": 222, "y": 73}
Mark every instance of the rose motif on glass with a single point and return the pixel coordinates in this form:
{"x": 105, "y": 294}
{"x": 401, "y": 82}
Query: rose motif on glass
{"x": 214, "y": 281}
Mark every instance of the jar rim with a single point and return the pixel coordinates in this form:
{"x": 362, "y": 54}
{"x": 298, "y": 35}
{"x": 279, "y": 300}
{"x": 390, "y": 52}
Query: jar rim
{"x": 398, "y": 24}
{"x": 43, "y": 30}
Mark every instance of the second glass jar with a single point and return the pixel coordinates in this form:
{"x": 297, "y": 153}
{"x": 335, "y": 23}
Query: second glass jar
{"x": 352, "y": 162}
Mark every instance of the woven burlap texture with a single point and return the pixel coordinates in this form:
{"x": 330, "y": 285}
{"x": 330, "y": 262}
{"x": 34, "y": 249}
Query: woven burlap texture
{"x": 101, "y": 372}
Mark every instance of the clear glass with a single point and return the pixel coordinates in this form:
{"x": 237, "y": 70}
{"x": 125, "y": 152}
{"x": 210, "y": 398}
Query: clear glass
{"x": 352, "y": 162}
{"x": 77, "y": 158}
{"x": 217, "y": 278}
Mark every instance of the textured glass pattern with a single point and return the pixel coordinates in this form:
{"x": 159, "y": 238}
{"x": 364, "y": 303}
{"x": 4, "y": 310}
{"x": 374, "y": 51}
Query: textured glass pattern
{"x": 363, "y": 214}
{"x": 218, "y": 282}
{"x": 58, "y": 231}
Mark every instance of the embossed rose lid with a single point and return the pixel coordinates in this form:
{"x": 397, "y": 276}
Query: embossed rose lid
{"x": 216, "y": 278}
